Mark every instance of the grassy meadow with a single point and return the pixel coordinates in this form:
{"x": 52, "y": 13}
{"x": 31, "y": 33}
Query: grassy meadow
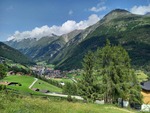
{"x": 39, "y": 103}
{"x": 27, "y": 104}
{"x": 62, "y": 79}
{"x": 26, "y": 81}
{"x": 46, "y": 86}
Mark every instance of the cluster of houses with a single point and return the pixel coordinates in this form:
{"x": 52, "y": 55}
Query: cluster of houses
{"x": 47, "y": 72}
{"x": 51, "y": 73}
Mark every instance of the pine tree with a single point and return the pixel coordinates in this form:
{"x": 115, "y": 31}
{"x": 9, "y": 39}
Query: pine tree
{"x": 70, "y": 88}
{"x": 118, "y": 79}
{"x": 87, "y": 86}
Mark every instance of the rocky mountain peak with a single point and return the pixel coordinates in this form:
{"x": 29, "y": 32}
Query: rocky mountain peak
{"x": 115, "y": 14}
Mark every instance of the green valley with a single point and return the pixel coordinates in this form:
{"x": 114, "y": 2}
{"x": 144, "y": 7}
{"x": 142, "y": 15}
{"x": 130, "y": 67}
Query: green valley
{"x": 78, "y": 67}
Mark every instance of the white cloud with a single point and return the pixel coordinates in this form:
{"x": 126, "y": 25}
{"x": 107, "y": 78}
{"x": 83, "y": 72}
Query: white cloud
{"x": 66, "y": 27}
{"x": 99, "y": 7}
{"x": 70, "y": 12}
{"x": 141, "y": 10}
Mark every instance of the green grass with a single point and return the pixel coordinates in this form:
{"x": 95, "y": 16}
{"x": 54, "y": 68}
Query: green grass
{"x": 25, "y": 81}
{"x": 50, "y": 66}
{"x": 43, "y": 63}
{"x": 62, "y": 79}
{"x": 70, "y": 75}
{"x": 75, "y": 76}
{"x": 78, "y": 77}
{"x": 46, "y": 86}
{"x": 26, "y": 104}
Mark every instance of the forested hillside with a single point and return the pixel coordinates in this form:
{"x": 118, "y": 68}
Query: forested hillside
{"x": 14, "y": 55}
{"x": 120, "y": 27}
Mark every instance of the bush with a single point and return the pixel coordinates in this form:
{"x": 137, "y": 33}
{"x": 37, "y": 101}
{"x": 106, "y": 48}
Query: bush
{"x": 69, "y": 98}
{"x": 2, "y": 87}
{"x": 70, "y": 88}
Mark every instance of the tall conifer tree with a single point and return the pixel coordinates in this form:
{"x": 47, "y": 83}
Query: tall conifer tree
{"x": 112, "y": 64}
{"x": 118, "y": 77}
{"x": 88, "y": 87}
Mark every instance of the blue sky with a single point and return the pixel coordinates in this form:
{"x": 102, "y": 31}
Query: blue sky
{"x": 36, "y": 18}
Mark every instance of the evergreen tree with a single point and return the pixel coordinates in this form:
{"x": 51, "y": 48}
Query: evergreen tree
{"x": 70, "y": 88}
{"x": 118, "y": 80}
{"x": 87, "y": 86}
{"x": 3, "y": 70}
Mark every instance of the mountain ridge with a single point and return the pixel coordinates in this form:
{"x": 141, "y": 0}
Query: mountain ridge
{"x": 128, "y": 30}
{"x": 13, "y": 54}
{"x": 119, "y": 26}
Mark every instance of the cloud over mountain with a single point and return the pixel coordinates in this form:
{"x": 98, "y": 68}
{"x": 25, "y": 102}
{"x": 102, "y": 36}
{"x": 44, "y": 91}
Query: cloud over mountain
{"x": 45, "y": 30}
{"x": 141, "y": 10}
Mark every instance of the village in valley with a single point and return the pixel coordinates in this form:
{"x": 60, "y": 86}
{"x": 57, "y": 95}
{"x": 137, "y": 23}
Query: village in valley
{"x": 47, "y": 72}
{"x": 74, "y": 56}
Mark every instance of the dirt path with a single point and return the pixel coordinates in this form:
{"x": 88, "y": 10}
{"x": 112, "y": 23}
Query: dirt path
{"x": 62, "y": 95}
{"x": 33, "y": 83}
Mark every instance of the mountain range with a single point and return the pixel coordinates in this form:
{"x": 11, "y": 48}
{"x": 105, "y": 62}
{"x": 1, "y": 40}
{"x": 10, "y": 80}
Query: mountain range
{"x": 13, "y": 54}
{"x": 67, "y": 51}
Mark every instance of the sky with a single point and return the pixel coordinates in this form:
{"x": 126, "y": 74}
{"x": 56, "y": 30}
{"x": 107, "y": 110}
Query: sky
{"x": 21, "y": 19}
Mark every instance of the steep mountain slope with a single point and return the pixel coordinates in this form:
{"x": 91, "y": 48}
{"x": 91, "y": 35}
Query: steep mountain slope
{"x": 120, "y": 27}
{"x": 31, "y": 47}
{"x": 69, "y": 47}
{"x": 14, "y": 55}
{"x": 44, "y": 48}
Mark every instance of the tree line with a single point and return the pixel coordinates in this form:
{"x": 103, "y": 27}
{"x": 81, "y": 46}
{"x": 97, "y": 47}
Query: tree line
{"x": 108, "y": 75}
